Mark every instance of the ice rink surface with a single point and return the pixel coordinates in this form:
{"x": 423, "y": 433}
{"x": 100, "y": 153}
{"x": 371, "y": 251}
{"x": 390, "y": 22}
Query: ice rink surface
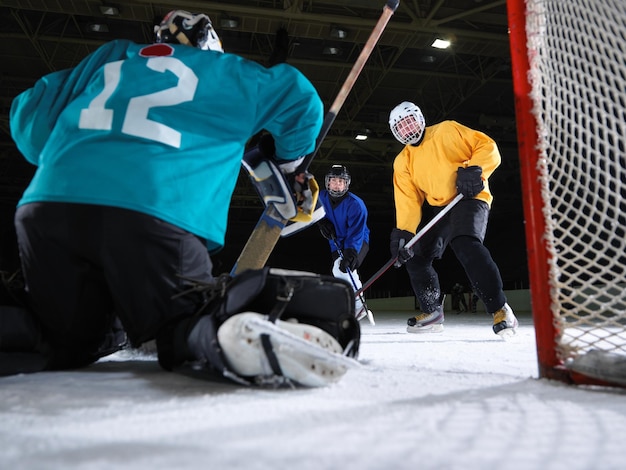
{"x": 462, "y": 399}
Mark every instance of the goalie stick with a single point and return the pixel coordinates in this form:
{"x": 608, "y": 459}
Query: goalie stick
{"x": 268, "y": 229}
{"x": 410, "y": 243}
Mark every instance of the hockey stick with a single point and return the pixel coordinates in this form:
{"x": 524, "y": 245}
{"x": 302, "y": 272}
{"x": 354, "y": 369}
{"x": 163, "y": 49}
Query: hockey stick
{"x": 370, "y": 315}
{"x": 267, "y": 231}
{"x": 411, "y": 242}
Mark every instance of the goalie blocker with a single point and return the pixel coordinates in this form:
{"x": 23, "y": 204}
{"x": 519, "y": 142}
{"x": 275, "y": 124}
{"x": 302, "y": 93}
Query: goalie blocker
{"x": 294, "y": 196}
{"x": 267, "y": 327}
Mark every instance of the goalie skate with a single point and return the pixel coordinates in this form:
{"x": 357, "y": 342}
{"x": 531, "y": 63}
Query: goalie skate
{"x": 306, "y": 354}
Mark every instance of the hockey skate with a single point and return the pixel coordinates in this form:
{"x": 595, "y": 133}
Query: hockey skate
{"x": 504, "y": 322}
{"x": 305, "y": 354}
{"x": 365, "y": 312}
{"x": 426, "y": 322}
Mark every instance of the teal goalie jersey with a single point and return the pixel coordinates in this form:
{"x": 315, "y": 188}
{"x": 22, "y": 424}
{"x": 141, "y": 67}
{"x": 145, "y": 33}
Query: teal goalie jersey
{"x": 159, "y": 129}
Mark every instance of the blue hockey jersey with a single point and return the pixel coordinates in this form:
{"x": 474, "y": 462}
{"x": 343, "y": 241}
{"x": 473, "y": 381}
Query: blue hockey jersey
{"x": 350, "y": 220}
{"x": 159, "y": 129}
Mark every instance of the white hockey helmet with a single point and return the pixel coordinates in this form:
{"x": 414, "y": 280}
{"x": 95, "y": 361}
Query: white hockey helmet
{"x": 337, "y": 171}
{"x": 190, "y": 29}
{"x": 407, "y": 123}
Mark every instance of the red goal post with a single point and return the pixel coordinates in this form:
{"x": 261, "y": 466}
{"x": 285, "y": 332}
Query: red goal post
{"x": 569, "y": 79}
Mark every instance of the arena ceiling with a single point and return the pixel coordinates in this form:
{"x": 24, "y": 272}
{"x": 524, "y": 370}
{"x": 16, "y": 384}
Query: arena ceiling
{"x": 469, "y": 82}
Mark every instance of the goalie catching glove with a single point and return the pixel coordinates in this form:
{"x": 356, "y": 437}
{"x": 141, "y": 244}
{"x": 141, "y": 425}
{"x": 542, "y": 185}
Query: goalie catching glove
{"x": 306, "y": 192}
{"x": 294, "y": 196}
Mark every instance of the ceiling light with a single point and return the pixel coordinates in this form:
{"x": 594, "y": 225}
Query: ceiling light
{"x": 109, "y": 10}
{"x": 98, "y": 28}
{"x": 331, "y": 51}
{"x": 440, "y": 44}
{"x": 229, "y": 23}
{"x": 363, "y": 134}
{"x": 338, "y": 33}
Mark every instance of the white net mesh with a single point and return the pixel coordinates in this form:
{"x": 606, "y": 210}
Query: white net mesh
{"x": 577, "y": 53}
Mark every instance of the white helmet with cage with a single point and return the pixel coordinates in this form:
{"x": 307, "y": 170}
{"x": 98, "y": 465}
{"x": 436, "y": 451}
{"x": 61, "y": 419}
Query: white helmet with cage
{"x": 337, "y": 172}
{"x": 190, "y": 29}
{"x": 407, "y": 123}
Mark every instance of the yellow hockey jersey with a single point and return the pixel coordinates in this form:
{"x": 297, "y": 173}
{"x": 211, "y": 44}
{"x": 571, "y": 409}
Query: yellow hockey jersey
{"x": 428, "y": 171}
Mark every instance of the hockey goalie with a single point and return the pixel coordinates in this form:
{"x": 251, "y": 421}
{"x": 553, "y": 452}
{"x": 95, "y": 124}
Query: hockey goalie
{"x": 267, "y": 327}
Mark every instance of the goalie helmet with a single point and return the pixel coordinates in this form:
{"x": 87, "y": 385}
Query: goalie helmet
{"x": 190, "y": 29}
{"x": 338, "y": 171}
{"x": 407, "y": 123}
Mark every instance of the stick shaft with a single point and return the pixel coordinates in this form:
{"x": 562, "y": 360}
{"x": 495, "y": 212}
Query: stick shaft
{"x": 329, "y": 119}
{"x": 411, "y": 242}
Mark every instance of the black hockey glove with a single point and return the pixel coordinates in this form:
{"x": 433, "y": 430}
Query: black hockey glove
{"x": 469, "y": 181}
{"x": 349, "y": 260}
{"x": 266, "y": 145}
{"x": 281, "y": 47}
{"x": 398, "y": 239}
{"x": 327, "y": 229}
{"x": 267, "y": 149}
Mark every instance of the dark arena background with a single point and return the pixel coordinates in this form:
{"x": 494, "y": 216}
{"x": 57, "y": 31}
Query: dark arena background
{"x": 470, "y": 82}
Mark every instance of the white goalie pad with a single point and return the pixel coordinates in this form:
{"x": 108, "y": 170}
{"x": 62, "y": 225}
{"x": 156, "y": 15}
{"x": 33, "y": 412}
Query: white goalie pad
{"x": 306, "y": 354}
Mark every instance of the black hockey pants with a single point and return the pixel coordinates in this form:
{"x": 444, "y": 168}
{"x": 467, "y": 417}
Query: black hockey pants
{"x": 463, "y": 228}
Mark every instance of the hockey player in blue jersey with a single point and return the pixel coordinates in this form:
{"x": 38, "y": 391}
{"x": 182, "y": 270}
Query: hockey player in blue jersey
{"x": 138, "y": 149}
{"x": 345, "y": 227}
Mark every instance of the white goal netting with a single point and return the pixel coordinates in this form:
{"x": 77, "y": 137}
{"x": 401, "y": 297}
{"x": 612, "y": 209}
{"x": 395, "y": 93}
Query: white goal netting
{"x": 577, "y": 55}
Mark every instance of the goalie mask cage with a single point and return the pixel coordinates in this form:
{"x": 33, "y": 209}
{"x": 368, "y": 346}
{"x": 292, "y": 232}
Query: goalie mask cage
{"x": 569, "y": 77}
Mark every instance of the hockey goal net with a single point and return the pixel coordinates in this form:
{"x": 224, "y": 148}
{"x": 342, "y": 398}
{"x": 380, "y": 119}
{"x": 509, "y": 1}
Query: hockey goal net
{"x": 569, "y": 75}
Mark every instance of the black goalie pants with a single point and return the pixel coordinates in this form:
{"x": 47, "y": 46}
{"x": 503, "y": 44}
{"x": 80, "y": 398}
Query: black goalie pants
{"x": 88, "y": 266}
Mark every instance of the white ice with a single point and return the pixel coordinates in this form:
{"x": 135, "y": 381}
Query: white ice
{"x": 463, "y": 399}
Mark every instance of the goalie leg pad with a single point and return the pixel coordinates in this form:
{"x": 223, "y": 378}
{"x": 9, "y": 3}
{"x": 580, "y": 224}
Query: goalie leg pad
{"x": 293, "y": 305}
{"x": 302, "y": 353}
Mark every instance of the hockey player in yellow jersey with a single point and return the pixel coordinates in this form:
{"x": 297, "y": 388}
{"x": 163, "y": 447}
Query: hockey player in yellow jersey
{"x": 437, "y": 163}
